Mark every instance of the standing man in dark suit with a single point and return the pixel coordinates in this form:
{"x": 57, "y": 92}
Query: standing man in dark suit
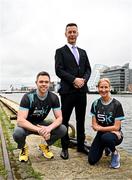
{"x": 73, "y": 68}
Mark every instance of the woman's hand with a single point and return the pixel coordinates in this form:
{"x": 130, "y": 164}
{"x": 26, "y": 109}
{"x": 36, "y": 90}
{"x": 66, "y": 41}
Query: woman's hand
{"x": 96, "y": 127}
{"x": 118, "y": 133}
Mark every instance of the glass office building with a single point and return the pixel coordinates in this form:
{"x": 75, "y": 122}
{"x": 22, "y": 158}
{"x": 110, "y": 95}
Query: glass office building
{"x": 119, "y": 77}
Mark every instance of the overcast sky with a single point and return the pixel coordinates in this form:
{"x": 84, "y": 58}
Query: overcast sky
{"x": 31, "y": 31}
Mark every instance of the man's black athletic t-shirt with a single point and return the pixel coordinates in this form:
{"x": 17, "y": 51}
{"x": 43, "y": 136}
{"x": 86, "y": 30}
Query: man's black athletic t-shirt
{"x": 39, "y": 109}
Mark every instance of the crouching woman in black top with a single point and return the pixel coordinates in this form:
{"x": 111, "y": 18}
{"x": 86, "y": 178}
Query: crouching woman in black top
{"x": 107, "y": 115}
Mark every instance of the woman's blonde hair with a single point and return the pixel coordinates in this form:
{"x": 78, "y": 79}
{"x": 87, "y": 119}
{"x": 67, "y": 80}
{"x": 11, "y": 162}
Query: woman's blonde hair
{"x": 104, "y": 79}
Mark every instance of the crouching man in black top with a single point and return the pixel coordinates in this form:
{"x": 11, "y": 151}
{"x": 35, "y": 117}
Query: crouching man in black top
{"x": 34, "y": 108}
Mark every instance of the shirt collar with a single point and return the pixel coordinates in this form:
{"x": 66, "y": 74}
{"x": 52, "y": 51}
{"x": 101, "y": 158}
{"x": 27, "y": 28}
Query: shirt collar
{"x": 70, "y": 46}
{"x": 41, "y": 97}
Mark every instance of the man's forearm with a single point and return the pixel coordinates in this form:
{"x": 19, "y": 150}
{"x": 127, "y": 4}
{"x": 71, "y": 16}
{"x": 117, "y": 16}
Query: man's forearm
{"x": 27, "y": 125}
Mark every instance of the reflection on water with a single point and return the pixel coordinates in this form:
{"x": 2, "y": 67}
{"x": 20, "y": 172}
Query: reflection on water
{"x": 126, "y": 101}
{"x": 127, "y": 124}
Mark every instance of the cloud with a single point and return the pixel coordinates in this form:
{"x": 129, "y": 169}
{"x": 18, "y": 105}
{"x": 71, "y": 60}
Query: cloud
{"x": 32, "y": 30}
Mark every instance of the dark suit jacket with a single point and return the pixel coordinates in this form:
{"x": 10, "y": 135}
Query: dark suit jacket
{"x": 67, "y": 69}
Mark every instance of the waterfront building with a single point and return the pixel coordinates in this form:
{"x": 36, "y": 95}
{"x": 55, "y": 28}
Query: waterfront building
{"x": 130, "y": 81}
{"x": 120, "y": 77}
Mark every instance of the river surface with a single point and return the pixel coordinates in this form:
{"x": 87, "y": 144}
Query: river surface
{"x": 126, "y": 101}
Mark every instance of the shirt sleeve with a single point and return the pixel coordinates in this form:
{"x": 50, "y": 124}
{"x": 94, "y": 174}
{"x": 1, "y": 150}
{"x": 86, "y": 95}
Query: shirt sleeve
{"x": 25, "y": 103}
{"x": 56, "y": 103}
{"x": 93, "y": 109}
{"x": 119, "y": 112}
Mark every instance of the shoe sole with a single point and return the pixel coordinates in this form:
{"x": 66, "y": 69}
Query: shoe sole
{"x": 64, "y": 157}
{"x": 115, "y": 167}
{"x": 23, "y": 160}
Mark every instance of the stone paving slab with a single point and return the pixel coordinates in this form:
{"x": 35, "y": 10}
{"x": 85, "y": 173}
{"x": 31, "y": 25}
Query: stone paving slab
{"x": 76, "y": 167}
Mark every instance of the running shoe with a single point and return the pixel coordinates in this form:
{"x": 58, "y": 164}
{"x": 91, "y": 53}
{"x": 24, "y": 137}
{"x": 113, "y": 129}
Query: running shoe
{"x": 23, "y": 155}
{"x": 115, "y": 160}
{"x": 45, "y": 151}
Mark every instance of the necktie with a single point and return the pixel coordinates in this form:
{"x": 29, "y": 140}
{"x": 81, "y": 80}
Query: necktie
{"x": 74, "y": 50}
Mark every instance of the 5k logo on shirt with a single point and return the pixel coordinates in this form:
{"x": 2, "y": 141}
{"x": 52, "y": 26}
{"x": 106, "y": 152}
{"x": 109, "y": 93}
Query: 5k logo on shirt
{"x": 104, "y": 118}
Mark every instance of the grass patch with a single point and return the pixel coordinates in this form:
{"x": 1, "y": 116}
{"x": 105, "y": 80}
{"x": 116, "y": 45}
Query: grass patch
{"x": 3, "y": 172}
{"x": 34, "y": 174}
{"x": 57, "y": 143}
{"x": 20, "y": 170}
{"x": 12, "y": 126}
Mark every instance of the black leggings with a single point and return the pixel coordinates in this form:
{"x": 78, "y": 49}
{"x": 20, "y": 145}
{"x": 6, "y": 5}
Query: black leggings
{"x": 100, "y": 142}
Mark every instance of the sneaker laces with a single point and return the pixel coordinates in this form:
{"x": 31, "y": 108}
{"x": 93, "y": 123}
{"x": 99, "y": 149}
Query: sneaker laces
{"x": 47, "y": 148}
{"x": 23, "y": 151}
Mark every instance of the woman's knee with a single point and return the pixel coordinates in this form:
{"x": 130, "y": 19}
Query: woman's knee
{"x": 91, "y": 160}
{"x": 106, "y": 138}
{"x": 92, "y": 157}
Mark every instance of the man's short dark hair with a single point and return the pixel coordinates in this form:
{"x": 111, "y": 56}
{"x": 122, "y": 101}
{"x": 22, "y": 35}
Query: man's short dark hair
{"x": 42, "y": 73}
{"x": 71, "y": 24}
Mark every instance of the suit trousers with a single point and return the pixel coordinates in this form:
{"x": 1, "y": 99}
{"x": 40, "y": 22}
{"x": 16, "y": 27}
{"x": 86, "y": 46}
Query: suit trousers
{"x": 78, "y": 101}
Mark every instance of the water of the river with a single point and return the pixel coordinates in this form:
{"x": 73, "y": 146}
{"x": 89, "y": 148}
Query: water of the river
{"x": 126, "y": 101}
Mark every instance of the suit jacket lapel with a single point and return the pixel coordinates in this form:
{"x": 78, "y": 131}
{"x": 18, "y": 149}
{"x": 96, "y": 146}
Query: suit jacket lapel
{"x": 79, "y": 50}
{"x": 69, "y": 51}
